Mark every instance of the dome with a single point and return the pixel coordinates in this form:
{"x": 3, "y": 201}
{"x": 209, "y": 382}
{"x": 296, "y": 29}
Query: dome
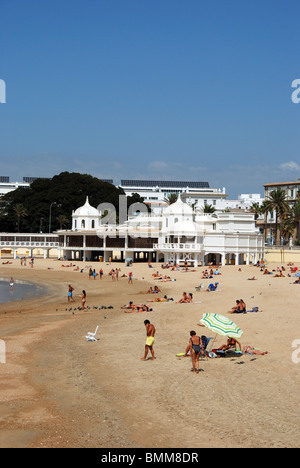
{"x": 86, "y": 210}
{"x": 186, "y": 227}
{"x": 179, "y": 208}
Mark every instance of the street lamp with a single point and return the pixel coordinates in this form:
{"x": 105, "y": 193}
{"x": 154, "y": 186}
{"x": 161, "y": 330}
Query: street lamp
{"x": 50, "y": 212}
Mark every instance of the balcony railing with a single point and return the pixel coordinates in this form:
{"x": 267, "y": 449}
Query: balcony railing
{"x": 171, "y": 246}
{"x": 28, "y": 244}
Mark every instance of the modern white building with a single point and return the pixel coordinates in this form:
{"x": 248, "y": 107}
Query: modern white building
{"x": 245, "y": 201}
{"x": 6, "y": 186}
{"x": 155, "y": 192}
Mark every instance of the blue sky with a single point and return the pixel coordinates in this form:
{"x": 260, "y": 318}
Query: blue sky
{"x": 151, "y": 89}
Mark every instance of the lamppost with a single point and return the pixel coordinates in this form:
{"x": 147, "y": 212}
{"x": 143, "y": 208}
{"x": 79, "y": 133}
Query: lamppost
{"x": 50, "y": 213}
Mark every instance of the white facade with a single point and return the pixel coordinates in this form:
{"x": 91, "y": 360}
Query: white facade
{"x": 155, "y": 192}
{"x": 6, "y": 187}
{"x": 178, "y": 235}
{"x": 245, "y": 201}
{"x": 221, "y": 238}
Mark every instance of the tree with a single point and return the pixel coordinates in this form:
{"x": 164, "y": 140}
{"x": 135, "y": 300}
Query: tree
{"x": 65, "y": 192}
{"x": 21, "y": 212}
{"x": 63, "y": 221}
{"x": 277, "y": 202}
{"x": 291, "y": 223}
{"x": 256, "y": 209}
{"x": 209, "y": 209}
{"x": 171, "y": 198}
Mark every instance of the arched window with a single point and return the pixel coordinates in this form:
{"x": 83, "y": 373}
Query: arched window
{"x": 93, "y": 224}
{"x": 83, "y": 224}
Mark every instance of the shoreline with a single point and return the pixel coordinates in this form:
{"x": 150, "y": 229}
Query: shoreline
{"x": 34, "y": 288}
{"x": 57, "y": 390}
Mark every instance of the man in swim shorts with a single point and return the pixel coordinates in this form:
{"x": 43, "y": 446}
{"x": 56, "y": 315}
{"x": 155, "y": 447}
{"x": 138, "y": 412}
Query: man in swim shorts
{"x": 70, "y": 293}
{"x": 150, "y": 329}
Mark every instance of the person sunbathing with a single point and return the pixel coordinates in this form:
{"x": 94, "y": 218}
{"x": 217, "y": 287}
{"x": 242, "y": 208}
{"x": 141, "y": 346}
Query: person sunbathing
{"x": 231, "y": 343}
{"x": 240, "y": 307}
{"x": 130, "y": 306}
{"x": 156, "y": 275}
{"x": 212, "y": 287}
{"x": 190, "y": 298}
{"x": 251, "y": 350}
{"x": 162, "y": 299}
{"x": 184, "y": 299}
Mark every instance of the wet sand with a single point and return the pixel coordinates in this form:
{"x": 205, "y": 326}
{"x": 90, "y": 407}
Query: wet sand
{"x": 57, "y": 390}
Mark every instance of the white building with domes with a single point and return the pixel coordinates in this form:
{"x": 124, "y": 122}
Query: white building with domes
{"x": 179, "y": 234}
{"x": 86, "y": 218}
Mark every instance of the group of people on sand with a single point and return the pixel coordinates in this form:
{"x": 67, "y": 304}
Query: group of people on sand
{"x": 153, "y": 290}
{"x": 239, "y": 308}
{"x": 210, "y": 274}
{"x": 186, "y": 299}
{"x": 197, "y": 348}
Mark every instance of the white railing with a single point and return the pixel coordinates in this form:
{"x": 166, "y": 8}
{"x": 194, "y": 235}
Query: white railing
{"x": 28, "y": 244}
{"x": 171, "y": 246}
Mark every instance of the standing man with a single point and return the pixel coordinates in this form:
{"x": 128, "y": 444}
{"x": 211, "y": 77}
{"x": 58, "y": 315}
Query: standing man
{"x": 70, "y": 293}
{"x": 150, "y": 329}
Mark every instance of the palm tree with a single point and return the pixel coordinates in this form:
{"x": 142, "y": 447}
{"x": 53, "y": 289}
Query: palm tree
{"x": 256, "y": 209}
{"x": 21, "y": 212}
{"x": 62, "y": 220}
{"x": 277, "y": 202}
{"x": 171, "y": 198}
{"x": 292, "y": 221}
{"x": 209, "y": 209}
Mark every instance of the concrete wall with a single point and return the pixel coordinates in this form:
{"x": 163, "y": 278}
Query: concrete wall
{"x": 282, "y": 256}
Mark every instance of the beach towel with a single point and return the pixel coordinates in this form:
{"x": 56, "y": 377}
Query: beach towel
{"x": 254, "y": 309}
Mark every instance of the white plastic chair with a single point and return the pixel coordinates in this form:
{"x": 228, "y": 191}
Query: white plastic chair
{"x": 92, "y": 336}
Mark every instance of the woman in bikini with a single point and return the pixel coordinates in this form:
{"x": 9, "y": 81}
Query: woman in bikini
{"x": 195, "y": 347}
{"x": 184, "y": 299}
{"x": 83, "y": 300}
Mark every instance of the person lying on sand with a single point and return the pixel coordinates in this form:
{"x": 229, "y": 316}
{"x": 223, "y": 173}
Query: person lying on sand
{"x": 162, "y": 299}
{"x": 251, "y": 350}
{"x": 166, "y": 280}
{"x": 139, "y": 308}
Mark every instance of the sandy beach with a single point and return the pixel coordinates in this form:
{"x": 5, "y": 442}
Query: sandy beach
{"x": 58, "y": 390}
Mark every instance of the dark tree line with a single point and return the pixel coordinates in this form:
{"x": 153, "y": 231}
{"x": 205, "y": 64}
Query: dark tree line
{"x": 29, "y": 209}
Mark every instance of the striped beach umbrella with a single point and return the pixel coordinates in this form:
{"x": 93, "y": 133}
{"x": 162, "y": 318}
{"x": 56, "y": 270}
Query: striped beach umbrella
{"x": 221, "y": 325}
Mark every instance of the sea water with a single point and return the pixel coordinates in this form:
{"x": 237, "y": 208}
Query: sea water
{"x": 21, "y": 290}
